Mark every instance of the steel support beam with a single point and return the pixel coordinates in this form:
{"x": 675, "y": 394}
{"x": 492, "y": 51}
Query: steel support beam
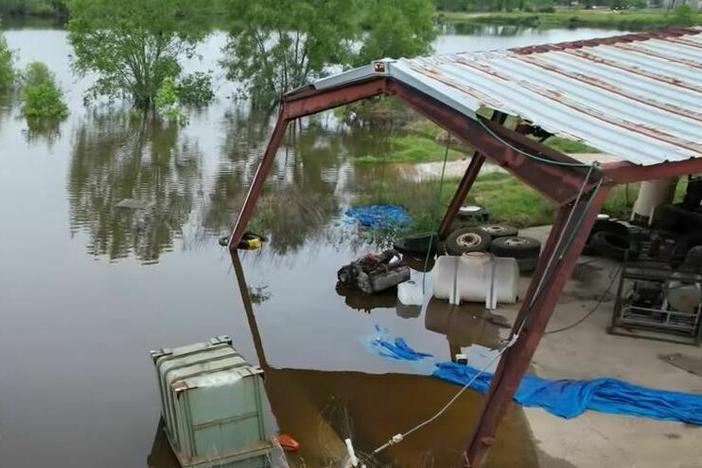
{"x": 302, "y": 104}
{"x": 566, "y": 241}
{"x": 557, "y": 182}
{"x": 476, "y": 162}
{"x": 264, "y": 167}
{"x": 624, "y": 173}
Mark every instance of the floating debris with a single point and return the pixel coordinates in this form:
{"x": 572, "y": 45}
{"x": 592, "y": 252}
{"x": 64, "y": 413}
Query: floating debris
{"x": 379, "y": 216}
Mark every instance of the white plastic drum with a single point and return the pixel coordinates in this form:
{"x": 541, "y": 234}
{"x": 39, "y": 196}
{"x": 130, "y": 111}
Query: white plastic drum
{"x": 476, "y": 277}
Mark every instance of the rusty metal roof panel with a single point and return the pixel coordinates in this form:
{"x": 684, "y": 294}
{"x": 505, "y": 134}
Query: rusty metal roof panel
{"x": 636, "y": 97}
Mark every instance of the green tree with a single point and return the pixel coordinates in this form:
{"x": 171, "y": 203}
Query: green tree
{"x": 397, "y": 28}
{"x": 133, "y": 45}
{"x": 7, "y": 72}
{"x": 41, "y": 96}
{"x": 278, "y": 45}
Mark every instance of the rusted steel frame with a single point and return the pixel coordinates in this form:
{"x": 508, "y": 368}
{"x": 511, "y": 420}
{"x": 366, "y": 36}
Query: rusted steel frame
{"x": 320, "y": 100}
{"x": 248, "y": 309}
{"x": 560, "y": 184}
{"x": 293, "y": 107}
{"x": 515, "y": 361}
{"x": 256, "y": 187}
{"x": 476, "y": 162}
{"x": 623, "y": 172}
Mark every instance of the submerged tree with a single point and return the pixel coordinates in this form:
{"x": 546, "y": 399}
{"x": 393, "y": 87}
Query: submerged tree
{"x": 134, "y": 45}
{"x": 7, "y": 73}
{"x": 397, "y": 28}
{"x": 41, "y": 96}
{"x": 275, "y": 46}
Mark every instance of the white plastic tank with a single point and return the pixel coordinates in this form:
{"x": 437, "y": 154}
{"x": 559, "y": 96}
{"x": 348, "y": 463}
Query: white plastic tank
{"x": 476, "y": 277}
{"x": 652, "y": 194}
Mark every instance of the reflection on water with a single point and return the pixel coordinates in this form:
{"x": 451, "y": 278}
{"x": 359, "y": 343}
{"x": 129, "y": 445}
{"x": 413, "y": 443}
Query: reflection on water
{"x": 322, "y": 408}
{"x": 118, "y": 158}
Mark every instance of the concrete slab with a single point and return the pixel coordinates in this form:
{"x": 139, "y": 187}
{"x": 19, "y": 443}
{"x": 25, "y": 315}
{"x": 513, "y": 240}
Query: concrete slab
{"x": 587, "y": 351}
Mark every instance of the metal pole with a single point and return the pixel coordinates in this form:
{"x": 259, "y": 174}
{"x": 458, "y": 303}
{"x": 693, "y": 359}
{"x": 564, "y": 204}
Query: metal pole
{"x": 515, "y": 361}
{"x": 476, "y": 162}
{"x": 264, "y": 167}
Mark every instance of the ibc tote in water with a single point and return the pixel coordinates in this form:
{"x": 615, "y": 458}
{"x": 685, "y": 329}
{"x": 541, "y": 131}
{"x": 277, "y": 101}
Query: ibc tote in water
{"x": 213, "y": 406}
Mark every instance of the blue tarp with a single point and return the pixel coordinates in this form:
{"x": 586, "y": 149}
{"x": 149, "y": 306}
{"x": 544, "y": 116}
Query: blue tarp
{"x": 379, "y": 216}
{"x": 395, "y": 349}
{"x": 570, "y": 398}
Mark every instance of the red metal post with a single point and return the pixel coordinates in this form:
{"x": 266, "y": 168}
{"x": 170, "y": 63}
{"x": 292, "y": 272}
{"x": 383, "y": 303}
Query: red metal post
{"x": 476, "y": 162}
{"x": 515, "y": 360}
{"x": 256, "y": 187}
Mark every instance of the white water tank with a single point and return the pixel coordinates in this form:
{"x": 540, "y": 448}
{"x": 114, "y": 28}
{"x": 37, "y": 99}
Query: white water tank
{"x": 476, "y": 277}
{"x": 652, "y": 194}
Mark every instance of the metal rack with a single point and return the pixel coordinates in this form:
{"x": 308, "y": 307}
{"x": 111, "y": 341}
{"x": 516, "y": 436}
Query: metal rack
{"x": 642, "y": 308}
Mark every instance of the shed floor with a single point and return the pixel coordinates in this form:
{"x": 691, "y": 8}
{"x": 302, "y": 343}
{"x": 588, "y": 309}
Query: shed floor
{"x": 588, "y": 351}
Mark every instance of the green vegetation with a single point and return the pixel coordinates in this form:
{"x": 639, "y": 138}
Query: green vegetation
{"x": 41, "y": 96}
{"x": 409, "y": 148}
{"x": 507, "y": 199}
{"x": 195, "y": 90}
{"x": 566, "y": 145}
{"x": 44, "y": 8}
{"x": 133, "y": 45}
{"x": 628, "y": 19}
{"x": 396, "y": 28}
{"x": 276, "y": 46}
{"x": 7, "y": 72}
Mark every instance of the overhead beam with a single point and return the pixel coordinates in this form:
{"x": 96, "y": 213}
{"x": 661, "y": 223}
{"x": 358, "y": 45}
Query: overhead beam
{"x": 505, "y": 147}
{"x": 305, "y": 102}
{"x": 624, "y": 172}
{"x": 566, "y": 241}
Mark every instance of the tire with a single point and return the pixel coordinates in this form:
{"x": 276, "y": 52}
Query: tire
{"x": 527, "y": 265}
{"x": 516, "y": 247}
{"x": 614, "y": 246}
{"x": 467, "y": 240}
{"x": 608, "y": 225}
{"x": 473, "y": 214}
{"x": 499, "y": 230}
{"x": 676, "y": 218}
{"x": 417, "y": 244}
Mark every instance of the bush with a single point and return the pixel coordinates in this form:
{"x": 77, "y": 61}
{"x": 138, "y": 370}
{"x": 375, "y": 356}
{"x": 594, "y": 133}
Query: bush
{"x": 41, "y": 96}
{"x": 683, "y": 15}
{"x": 7, "y": 73}
{"x": 195, "y": 89}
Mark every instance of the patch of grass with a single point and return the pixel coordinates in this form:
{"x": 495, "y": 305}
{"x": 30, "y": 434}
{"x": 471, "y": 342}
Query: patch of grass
{"x": 567, "y": 145}
{"x": 409, "y": 148}
{"x": 507, "y": 199}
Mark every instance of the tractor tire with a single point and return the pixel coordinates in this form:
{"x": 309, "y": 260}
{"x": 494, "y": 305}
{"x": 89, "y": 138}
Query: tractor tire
{"x": 467, "y": 240}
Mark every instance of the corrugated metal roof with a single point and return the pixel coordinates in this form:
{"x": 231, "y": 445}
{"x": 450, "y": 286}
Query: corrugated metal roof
{"x": 637, "y": 97}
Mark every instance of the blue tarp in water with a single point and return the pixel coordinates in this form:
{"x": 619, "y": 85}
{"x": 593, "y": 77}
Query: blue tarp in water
{"x": 570, "y": 398}
{"x": 395, "y": 349}
{"x": 380, "y": 216}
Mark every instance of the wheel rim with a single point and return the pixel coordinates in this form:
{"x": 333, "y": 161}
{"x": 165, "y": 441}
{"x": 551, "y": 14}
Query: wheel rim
{"x": 494, "y": 229}
{"x": 468, "y": 239}
{"x": 513, "y": 242}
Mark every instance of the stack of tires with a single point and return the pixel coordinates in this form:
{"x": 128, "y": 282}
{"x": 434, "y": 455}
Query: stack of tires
{"x": 499, "y": 239}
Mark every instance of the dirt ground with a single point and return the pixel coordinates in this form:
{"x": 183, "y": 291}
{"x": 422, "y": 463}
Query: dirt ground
{"x": 588, "y": 351}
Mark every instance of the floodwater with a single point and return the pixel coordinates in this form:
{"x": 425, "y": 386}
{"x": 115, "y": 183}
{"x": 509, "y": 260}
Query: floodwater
{"x": 87, "y": 288}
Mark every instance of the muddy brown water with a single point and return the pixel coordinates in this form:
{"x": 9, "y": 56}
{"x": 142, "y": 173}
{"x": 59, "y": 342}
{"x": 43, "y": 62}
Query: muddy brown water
{"x": 87, "y": 287}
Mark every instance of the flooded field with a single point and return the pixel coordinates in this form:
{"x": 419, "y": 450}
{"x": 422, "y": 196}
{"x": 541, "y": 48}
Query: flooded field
{"x": 88, "y": 285}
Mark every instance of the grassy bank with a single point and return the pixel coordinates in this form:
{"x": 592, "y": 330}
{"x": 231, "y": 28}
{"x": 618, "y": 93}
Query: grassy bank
{"x": 628, "y": 19}
{"x": 507, "y": 199}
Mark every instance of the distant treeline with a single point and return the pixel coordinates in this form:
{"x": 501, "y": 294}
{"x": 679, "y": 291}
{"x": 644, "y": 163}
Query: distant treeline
{"x": 537, "y": 6}
{"x": 45, "y": 8}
